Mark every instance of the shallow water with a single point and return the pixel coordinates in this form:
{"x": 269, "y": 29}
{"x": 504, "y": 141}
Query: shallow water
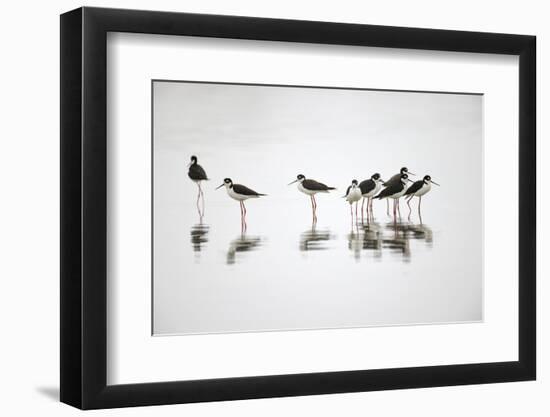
{"x": 281, "y": 271}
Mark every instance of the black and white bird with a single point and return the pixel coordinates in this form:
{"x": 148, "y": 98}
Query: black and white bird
{"x": 197, "y": 174}
{"x": 369, "y": 188}
{"x": 311, "y": 187}
{"x": 395, "y": 191}
{"x": 418, "y": 189}
{"x": 395, "y": 179}
{"x": 240, "y": 193}
{"x": 353, "y": 195}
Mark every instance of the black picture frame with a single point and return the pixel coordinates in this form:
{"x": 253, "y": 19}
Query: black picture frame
{"x": 84, "y": 207}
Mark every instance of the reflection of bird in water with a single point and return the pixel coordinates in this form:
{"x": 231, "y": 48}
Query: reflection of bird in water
{"x": 311, "y": 187}
{"x": 355, "y": 243}
{"x": 418, "y": 189}
{"x": 395, "y": 191}
{"x": 421, "y": 232}
{"x": 199, "y": 236}
{"x": 353, "y": 195}
{"x": 399, "y": 240}
{"x": 395, "y": 179}
{"x": 372, "y": 240}
{"x": 314, "y": 239}
{"x": 240, "y": 193}
{"x": 197, "y": 175}
{"x": 242, "y": 244}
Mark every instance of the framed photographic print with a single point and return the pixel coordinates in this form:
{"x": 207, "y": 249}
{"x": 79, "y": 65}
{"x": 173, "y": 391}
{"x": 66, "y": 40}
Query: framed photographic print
{"x": 257, "y": 207}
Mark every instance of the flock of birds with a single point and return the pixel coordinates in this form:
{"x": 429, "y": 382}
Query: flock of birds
{"x": 373, "y": 188}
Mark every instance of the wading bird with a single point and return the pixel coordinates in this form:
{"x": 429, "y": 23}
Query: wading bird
{"x": 311, "y": 187}
{"x": 369, "y": 188}
{"x": 418, "y": 189}
{"x": 353, "y": 195}
{"x": 197, "y": 174}
{"x": 240, "y": 193}
{"x": 396, "y": 179}
{"x": 395, "y": 191}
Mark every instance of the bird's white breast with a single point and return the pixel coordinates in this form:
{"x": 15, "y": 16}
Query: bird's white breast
{"x": 423, "y": 190}
{"x": 374, "y": 191}
{"x": 354, "y": 195}
{"x": 305, "y": 190}
{"x": 235, "y": 196}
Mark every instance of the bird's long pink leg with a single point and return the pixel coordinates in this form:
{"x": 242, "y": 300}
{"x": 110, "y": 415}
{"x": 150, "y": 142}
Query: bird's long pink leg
{"x": 369, "y": 205}
{"x": 356, "y": 204}
{"x": 388, "y": 207}
{"x": 198, "y": 199}
{"x": 314, "y": 208}
{"x": 409, "y": 204}
{"x": 201, "y": 194}
{"x": 394, "y": 212}
{"x": 419, "y": 214}
{"x": 363, "y": 212}
{"x": 398, "y": 208}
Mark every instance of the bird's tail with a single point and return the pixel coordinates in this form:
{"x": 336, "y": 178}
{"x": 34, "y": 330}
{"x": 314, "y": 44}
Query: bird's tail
{"x": 261, "y": 195}
{"x": 331, "y": 188}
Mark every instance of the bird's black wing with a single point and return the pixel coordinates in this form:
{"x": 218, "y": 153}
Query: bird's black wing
{"x": 315, "y": 186}
{"x": 391, "y": 190}
{"x": 367, "y": 186}
{"x": 417, "y": 185}
{"x": 395, "y": 178}
{"x": 196, "y": 172}
{"x": 242, "y": 190}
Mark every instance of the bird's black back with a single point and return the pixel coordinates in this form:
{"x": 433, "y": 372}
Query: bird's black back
{"x": 316, "y": 186}
{"x": 391, "y": 190}
{"x": 367, "y": 186}
{"x": 393, "y": 180}
{"x": 243, "y": 190}
{"x": 196, "y": 172}
{"x": 417, "y": 185}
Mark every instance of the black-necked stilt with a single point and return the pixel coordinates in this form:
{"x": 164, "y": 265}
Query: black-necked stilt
{"x": 395, "y": 191}
{"x": 369, "y": 188}
{"x": 197, "y": 174}
{"x": 353, "y": 195}
{"x": 395, "y": 179}
{"x": 240, "y": 193}
{"x": 418, "y": 189}
{"x": 311, "y": 187}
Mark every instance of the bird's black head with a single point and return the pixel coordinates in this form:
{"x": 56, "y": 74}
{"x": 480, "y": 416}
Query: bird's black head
{"x": 404, "y": 177}
{"x": 427, "y": 178}
{"x": 193, "y": 159}
{"x": 375, "y": 177}
{"x": 227, "y": 181}
{"x": 354, "y": 182}
{"x": 404, "y": 170}
{"x": 300, "y": 177}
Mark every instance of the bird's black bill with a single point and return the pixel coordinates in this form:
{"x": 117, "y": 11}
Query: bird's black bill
{"x": 433, "y": 182}
{"x": 219, "y": 186}
{"x": 290, "y": 183}
{"x": 410, "y": 173}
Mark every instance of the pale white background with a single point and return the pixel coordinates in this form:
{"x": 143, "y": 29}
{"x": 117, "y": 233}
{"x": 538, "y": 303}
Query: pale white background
{"x": 29, "y": 169}
{"x": 134, "y": 357}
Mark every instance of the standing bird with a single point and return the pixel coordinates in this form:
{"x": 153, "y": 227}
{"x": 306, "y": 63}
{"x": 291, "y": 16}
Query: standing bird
{"x": 369, "y": 188}
{"x": 197, "y": 174}
{"x": 353, "y": 195}
{"x": 395, "y": 191}
{"x": 240, "y": 193}
{"x": 418, "y": 189}
{"x": 395, "y": 179}
{"x": 311, "y": 187}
